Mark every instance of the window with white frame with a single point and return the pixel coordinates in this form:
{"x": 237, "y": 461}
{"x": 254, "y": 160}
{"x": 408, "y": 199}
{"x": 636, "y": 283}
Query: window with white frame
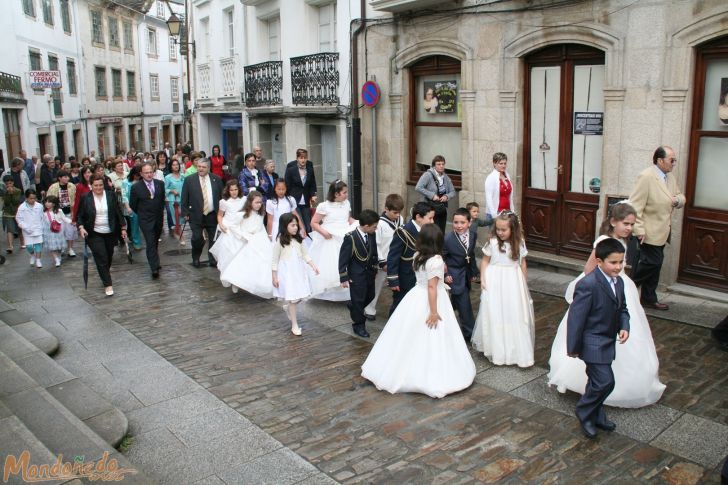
{"x": 47, "y": 11}
{"x": 154, "y": 86}
{"x": 172, "y": 49}
{"x": 36, "y": 64}
{"x": 116, "y": 84}
{"x": 174, "y": 88}
{"x": 229, "y": 29}
{"x": 114, "y": 40}
{"x": 100, "y": 79}
{"x": 71, "y": 73}
{"x": 161, "y": 11}
{"x": 29, "y": 7}
{"x": 152, "y": 42}
{"x": 274, "y": 39}
{"x": 130, "y": 85}
{"x": 66, "y": 16}
{"x": 97, "y": 27}
{"x": 128, "y": 35}
{"x": 327, "y": 27}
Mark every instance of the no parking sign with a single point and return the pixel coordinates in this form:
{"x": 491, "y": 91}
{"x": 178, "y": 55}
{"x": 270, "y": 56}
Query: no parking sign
{"x": 370, "y": 94}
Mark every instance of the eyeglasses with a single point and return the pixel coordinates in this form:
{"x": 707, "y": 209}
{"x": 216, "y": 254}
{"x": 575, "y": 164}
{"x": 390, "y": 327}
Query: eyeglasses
{"x": 671, "y": 160}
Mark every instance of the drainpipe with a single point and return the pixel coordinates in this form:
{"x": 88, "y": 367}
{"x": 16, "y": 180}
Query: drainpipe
{"x": 355, "y": 119}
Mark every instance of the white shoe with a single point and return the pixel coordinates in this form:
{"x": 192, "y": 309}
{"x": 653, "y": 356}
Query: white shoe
{"x": 71, "y": 253}
{"x": 109, "y": 291}
{"x": 235, "y": 289}
{"x": 32, "y": 259}
{"x": 58, "y": 262}
{"x": 38, "y": 263}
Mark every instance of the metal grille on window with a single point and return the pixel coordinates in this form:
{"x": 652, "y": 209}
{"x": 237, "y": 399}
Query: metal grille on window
{"x": 315, "y": 79}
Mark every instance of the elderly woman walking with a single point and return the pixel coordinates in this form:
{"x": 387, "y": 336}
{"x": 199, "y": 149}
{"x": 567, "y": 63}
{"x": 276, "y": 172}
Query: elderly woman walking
{"x": 437, "y": 188}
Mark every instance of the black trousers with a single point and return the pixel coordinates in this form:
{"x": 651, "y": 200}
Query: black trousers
{"x": 151, "y": 233}
{"x": 599, "y": 386}
{"x": 305, "y": 213}
{"x": 441, "y": 220}
{"x": 361, "y": 293}
{"x": 647, "y": 274}
{"x": 207, "y": 224}
{"x": 405, "y": 284}
{"x": 461, "y": 303}
{"x": 102, "y": 249}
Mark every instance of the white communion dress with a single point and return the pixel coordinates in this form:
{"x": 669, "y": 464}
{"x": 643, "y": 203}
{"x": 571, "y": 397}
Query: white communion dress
{"x": 250, "y": 269}
{"x": 505, "y": 327}
{"x": 325, "y": 252}
{"x": 227, "y": 244}
{"x": 290, "y": 263}
{"x": 635, "y": 367}
{"x": 409, "y": 356}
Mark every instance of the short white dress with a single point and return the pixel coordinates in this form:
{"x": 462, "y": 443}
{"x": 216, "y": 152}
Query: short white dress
{"x": 325, "y": 252}
{"x": 409, "y": 356}
{"x": 275, "y": 208}
{"x": 505, "y": 328}
{"x": 250, "y": 269}
{"x": 54, "y": 241}
{"x": 290, "y": 263}
{"x": 227, "y": 244}
{"x": 635, "y": 367}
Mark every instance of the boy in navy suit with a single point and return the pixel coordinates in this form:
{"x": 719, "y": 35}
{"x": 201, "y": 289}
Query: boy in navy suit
{"x": 458, "y": 251}
{"x": 358, "y": 265}
{"x": 400, "y": 274}
{"x": 597, "y": 317}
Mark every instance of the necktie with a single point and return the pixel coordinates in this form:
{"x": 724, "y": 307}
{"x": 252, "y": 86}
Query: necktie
{"x": 205, "y": 197}
{"x": 464, "y": 239}
{"x": 150, "y": 186}
{"x": 365, "y": 239}
{"x": 613, "y": 281}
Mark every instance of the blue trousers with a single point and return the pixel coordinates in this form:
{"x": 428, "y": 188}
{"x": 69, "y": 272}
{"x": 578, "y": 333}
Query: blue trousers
{"x": 599, "y": 386}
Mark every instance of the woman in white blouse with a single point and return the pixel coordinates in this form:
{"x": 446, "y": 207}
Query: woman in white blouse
{"x": 498, "y": 187}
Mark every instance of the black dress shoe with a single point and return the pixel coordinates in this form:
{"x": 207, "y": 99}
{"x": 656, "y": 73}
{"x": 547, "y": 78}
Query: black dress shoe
{"x": 196, "y": 263}
{"x": 607, "y": 425}
{"x": 155, "y": 274}
{"x": 656, "y": 305}
{"x": 212, "y": 262}
{"x": 362, "y": 332}
{"x": 371, "y": 318}
{"x": 590, "y": 431}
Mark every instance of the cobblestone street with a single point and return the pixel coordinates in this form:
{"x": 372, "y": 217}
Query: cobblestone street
{"x": 306, "y": 392}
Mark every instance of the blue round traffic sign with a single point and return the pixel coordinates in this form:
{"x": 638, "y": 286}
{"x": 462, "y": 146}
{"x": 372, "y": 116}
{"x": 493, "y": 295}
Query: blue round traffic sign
{"x": 370, "y": 94}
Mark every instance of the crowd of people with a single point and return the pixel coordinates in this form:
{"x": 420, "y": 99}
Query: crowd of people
{"x": 269, "y": 236}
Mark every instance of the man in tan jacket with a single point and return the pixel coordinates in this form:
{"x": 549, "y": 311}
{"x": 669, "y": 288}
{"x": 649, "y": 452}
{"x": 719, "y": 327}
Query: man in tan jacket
{"x": 654, "y": 197}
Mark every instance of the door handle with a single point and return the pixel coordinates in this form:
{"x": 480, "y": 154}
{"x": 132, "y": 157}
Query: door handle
{"x": 560, "y": 168}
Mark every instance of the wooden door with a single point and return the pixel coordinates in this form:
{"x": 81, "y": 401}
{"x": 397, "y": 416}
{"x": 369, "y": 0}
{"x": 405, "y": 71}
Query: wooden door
{"x": 704, "y": 248}
{"x": 12, "y": 132}
{"x": 562, "y": 154}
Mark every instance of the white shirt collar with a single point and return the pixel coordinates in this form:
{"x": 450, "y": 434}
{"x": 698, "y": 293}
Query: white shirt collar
{"x": 416, "y": 225}
{"x": 662, "y": 174}
{"x": 609, "y": 278}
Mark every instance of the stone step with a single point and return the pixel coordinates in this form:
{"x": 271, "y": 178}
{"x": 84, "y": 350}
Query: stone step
{"x": 555, "y": 263}
{"x": 98, "y": 414}
{"x": 37, "y": 421}
{"x": 29, "y": 329}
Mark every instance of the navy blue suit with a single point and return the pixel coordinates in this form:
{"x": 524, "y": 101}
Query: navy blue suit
{"x": 595, "y": 318}
{"x": 459, "y": 264}
{"x": 399, "y": 262}
{"x": 358, "y": 264}
{"x": 150, "y": 211}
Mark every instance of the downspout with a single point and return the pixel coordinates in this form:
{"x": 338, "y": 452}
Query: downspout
{"x": 355, "y": 138}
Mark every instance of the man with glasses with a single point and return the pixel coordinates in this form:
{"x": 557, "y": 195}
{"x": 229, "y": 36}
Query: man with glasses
{"x": 654, "y": 197}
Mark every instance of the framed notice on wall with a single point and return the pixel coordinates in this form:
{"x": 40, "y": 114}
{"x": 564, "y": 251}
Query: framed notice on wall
{"x": 588, "y": 123}
{"x": 440, "y": 96}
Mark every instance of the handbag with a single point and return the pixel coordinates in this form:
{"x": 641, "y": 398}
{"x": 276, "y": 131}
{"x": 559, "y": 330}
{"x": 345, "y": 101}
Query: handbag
{"x": 439, "y": 207}
{"x": 55, "y": 225}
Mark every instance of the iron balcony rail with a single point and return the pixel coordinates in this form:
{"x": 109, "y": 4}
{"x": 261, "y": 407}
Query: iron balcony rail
{"x": 10, "y": 84}
{"x": 263, "y": 83}
{"x": 315, "y": 79}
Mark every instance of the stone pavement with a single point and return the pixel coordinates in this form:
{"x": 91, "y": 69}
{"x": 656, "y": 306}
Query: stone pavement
{"x": 304, "y": 413}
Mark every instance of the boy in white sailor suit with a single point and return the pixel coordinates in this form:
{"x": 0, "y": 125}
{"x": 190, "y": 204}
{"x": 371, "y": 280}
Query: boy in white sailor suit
{"x": 358, "y": 265}
{"x": 389, "y": 221}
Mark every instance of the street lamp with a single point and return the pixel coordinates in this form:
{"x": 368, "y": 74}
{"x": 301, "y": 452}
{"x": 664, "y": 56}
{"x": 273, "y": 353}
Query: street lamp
{"x": 174, "y": 24}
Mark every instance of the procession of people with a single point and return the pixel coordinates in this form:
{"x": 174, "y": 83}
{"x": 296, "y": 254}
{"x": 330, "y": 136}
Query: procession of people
{"x": 268, "y": 236}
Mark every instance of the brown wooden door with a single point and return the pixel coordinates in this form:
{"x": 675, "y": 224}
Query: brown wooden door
{"x": 562, "y": 148}
{"x": 12, "y": 132}
{"x": 704, "y": 248}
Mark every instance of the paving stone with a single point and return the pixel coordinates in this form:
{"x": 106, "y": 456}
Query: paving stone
{"x": 13, "y": 317}
{"x": 280, "y": 467}
{"x": 172, "y": 411}
{"x": 38, "y": 336}
{"x": 12, "y": 344}
{"x": 696, "y": 438}
{"x": 161, "y": 385}
{"x": 208, "y": 426}
{"x": 507, "y": 378}
{"x": 44, "y": 370}
{"x": 12, "y": 378}
{"x": 211, "y": 480}
{"x": 318, "y": 479}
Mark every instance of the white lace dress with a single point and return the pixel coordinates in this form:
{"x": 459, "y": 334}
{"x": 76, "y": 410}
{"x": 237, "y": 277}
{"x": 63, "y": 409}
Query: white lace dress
{"x": 411, "y": 357}
{"x": 250, "y": 269}
{"x": 227, "y": 244}
{"x": 635, "y": 367}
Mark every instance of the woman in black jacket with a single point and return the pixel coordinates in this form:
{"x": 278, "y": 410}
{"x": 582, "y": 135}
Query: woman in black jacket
{"x": 101, "y": 222}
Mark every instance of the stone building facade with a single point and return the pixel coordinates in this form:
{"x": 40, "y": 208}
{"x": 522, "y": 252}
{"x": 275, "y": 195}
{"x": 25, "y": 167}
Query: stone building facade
{"x": 577, "y": 94}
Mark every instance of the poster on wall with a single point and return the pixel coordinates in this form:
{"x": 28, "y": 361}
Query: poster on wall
{"x": 440, "y": 96}
{"x": 723, "y": 104}
{"x": 588, "y": 123}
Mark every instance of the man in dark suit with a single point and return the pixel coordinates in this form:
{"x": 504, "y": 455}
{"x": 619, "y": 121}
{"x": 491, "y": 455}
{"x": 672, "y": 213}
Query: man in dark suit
{"x": 458, "y": 252}
{"x": 358, "y": 265}
{"x": 201, "y": 193}
{"x": 400, "y": 274}
{"x": 301, "y": 185}
{"x": 147, "y": 200}
{"x": 597, "y": 317}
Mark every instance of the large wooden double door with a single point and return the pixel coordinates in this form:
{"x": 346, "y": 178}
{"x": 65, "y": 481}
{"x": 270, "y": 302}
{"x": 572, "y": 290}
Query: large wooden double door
{"x": 562, "y": 148}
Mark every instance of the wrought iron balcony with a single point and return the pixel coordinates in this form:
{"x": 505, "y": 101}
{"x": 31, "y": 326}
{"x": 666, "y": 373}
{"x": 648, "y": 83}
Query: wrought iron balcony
{"x": 10, "y": 84}
{"x": 315, "y": 79}
{"x": 263, "y": 84}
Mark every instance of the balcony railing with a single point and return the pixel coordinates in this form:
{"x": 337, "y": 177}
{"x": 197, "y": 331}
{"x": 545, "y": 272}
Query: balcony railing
{"x": 229, "y": 84}
{"x": 205, "y": 80}
{"x": 315, "y": 79}
{"x": 263, "y": 84}
{"x": 10, "y": 84}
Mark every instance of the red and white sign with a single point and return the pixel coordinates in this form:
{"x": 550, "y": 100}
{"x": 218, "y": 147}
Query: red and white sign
{"x": 45, "y": 79}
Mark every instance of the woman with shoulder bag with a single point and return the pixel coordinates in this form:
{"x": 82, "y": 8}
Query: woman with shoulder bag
{"x": 437, "y": 188}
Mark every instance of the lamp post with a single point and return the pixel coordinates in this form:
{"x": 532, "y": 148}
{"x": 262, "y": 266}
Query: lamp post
{"x": 174, "y": 24}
